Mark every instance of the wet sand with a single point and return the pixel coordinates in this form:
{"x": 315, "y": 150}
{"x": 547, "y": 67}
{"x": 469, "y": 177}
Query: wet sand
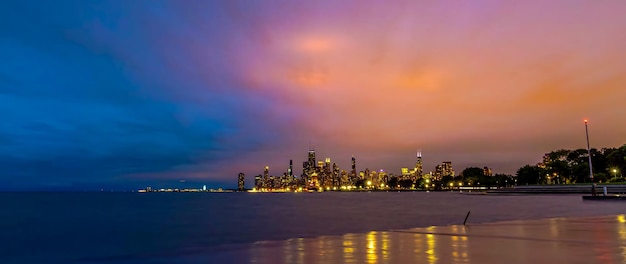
{"x": 599, "y": 239}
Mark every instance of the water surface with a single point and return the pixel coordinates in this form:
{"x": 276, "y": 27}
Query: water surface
{"x": 77, "y": 227}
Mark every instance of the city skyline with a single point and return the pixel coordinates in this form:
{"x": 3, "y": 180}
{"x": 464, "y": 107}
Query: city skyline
{"x": 323, "y": 174}
{"x": 109, "y": 94}
{"x": 418, "y": 165}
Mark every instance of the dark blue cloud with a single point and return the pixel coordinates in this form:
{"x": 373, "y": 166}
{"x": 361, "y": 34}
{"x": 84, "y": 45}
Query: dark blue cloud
{"x": 93, "y": 91}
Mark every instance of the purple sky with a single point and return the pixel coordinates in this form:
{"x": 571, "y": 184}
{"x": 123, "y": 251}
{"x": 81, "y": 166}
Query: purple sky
{"x": 128, "y": 93}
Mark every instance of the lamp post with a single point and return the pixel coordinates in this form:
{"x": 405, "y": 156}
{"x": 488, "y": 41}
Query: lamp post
{"x": 593, "y": 185}
{"x": 614, "y": 175}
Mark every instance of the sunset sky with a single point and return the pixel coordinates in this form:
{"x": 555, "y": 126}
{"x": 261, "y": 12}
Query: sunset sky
{"x": 129, "y": 93}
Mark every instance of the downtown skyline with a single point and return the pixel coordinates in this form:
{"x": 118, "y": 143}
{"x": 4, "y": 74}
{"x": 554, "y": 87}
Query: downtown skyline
{"x": 125, "y": 94}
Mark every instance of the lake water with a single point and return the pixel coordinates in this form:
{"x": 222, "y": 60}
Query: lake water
{"x": 110, "y": 227}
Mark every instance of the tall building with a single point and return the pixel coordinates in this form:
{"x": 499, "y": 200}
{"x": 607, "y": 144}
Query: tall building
{"x": 447, "y": 169}
{"x": 353, "y": 175}
{"x": 290, "y": 171}
{"x": 418, "y": 165}
{"x": 266, "y": 175}
{"x": 336, "y": 176}
{"x": 312, "y": 160}
{"x": 258, "y": 182}
{"x": 308, "y": 167}
{"x": 442, "y": 170}
{"x": 240, "y": 182}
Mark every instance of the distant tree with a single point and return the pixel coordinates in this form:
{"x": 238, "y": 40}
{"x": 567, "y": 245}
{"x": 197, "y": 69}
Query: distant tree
{"x": 616, "y": 160}
{"x": 445, "y": 180}
{"x": 576, "y": 157}
{"x": 503, "y": 180}
{"x": 393, "y": 182}
{"x": 599, "y": 162}
{"x": 572, "y": 166}
{"x": 406, "y": 183}
{"x": 475, "y": 176}
{"x": 601, "y": 177}
{"x": 580, "y": 173}
{"x": 530, "y": 175}
{"x": 360, "y": 183}
{"x": 472, "y": 172}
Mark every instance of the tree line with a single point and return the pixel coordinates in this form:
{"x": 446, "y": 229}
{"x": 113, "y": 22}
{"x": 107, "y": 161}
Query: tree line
{"x": 572, "y": 166}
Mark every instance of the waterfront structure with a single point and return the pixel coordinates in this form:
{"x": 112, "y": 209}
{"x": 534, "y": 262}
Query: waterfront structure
{"x": 240, "y": 182}
{"x": 487, "y": 171}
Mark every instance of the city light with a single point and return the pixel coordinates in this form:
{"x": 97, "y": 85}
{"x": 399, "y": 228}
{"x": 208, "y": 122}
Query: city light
{"x": 324, "y": 175}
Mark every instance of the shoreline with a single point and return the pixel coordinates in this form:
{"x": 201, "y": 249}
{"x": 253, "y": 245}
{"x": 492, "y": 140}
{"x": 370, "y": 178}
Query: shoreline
{"x": 419, "y": 243}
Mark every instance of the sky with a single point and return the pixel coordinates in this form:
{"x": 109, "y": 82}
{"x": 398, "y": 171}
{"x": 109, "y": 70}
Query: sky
{"x": 124, "y": 94}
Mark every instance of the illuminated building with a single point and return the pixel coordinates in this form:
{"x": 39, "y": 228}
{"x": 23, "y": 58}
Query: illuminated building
{"x": 266, "y": 174}
{"x": 418, "y": 166}
{"x": 314, "y": 183}
{"x": 353, "y": 172}
{"x": 443, "y": 170}
{"x": 487, "y": 171}
{"x": 336, "y": 179}
{"x": 308, "y": 167}
{"x": 258, "y": 182}
{"x": 240, "y": 182}
{"x": 312, "y": 156}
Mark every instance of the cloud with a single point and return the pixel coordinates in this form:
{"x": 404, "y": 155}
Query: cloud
{"x": 103, "y": 92}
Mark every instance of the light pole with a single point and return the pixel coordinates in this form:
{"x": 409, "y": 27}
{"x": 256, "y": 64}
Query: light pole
{"x": 593, "y": 185}
{"x": 614, "y": 175}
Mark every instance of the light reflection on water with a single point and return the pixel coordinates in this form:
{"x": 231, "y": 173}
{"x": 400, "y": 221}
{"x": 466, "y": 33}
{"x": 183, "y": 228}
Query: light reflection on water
{"x": 371, "y": 247}
{"x": 550, "y": 240}
{"x": 621, "y": 220}
{"x": 348, "y": 248}
{"x": 459, "y": 246}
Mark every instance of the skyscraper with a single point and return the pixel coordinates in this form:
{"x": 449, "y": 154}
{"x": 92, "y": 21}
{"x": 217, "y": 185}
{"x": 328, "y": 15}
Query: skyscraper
{"x": 266, "y": 174}
{"x": 312, "y": 160}
{"x": 418, "y": 165}
{"x": 241, "y": 182}
{"x": 353, "y": 175}
{"x": 308, "y": 167}
{"x": 258, "y": 182}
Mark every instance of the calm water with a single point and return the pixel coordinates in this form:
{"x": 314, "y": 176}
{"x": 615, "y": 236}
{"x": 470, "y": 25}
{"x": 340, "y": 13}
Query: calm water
{"x": 86, "y": 227}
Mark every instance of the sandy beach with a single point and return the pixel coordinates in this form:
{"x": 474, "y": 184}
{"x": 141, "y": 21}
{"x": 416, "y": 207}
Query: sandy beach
{"x": 600, "y": 239}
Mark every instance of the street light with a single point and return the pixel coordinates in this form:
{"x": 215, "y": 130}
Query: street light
{"x": 614, "y": 174}
{"x": 593, "y": 185}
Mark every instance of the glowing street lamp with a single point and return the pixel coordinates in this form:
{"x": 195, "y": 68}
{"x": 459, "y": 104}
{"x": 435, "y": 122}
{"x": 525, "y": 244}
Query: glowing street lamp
{"x": 593, "y": 185}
